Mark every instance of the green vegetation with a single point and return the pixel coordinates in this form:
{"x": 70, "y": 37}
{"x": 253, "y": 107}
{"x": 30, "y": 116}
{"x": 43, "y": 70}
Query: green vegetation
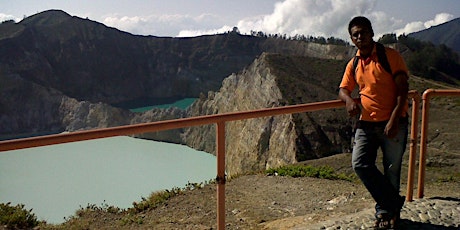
{"x": 155, "y": 200}
{"x": 323, "y": 172}
{"x": 432, "y": 61}
{"x": 16, "y": 217}
{"x": 10, "y": 21}
{"x": 301, "y": 37}
{"x": 452, "y": 178}
{"x": 104, "y": 208}
{"x": 388, "y": 39}
{"x": 158, "y": 198}
{"x": 436, "y": 62}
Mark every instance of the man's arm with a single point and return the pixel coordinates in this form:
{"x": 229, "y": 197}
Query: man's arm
{"x": 402, "y": 87}
{"x": 351, "y": 106}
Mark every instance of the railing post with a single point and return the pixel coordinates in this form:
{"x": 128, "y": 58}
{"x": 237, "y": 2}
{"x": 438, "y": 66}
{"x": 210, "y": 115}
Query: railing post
{"x": 413, "y": 144}
{"x": 423, "y": 138}
{"x": 220, "y": 154}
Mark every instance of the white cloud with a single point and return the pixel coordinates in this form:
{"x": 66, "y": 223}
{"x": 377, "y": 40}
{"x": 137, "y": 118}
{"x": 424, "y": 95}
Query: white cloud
{"x": 194, "y": 33}
{"x": 411, "y": 27}
{"x": 123, "y": 22}
{"x": 6, "y": 17}
{"x": 323, "y": 18}
{"x": 439, "y": 19}
{"x": 144, "y": 25}
{"x": 291, "y": 17}
{"x": 418, "y": 25}
{"x": 308, "y": 17}
{"x": 163, "y": 25}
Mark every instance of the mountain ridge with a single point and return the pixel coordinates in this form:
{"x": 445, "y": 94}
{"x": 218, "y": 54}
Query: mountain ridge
{"x": 447, "y": 33}
{"x": 77, "y": 53}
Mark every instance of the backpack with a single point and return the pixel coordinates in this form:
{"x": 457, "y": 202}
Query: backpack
{"x": 381, "y": 55}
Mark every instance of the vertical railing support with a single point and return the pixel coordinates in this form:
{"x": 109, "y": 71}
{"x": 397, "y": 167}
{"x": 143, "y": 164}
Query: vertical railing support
{"x": 413, "y": 144}
{"x": 423, "y": 138}
{"x": 220, "y": 179}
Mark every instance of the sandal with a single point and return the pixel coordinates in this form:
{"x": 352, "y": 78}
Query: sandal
{"x": 385, "y": 221}
{"x": 382, "y": 221}
{"x": 389, "y": 221}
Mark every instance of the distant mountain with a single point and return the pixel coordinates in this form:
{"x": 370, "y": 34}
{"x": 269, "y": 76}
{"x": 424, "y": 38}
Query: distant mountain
{"x": 447, "y": 33}
{"x": 87, "y": 60}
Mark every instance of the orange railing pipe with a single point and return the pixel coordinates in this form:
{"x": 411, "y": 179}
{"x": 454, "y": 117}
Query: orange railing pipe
{"x": 429, "y": 93}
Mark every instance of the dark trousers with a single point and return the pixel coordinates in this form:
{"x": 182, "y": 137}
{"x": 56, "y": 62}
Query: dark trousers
{"x": 384, "y": 187}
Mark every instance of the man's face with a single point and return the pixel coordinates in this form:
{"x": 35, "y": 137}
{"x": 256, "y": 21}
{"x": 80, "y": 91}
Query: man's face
{"x": 361, "y": 36}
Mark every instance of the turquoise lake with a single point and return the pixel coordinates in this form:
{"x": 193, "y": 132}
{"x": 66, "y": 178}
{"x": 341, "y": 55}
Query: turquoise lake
{"x": 57, "y": 180}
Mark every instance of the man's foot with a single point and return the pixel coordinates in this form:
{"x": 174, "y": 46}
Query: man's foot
{"x": 386, "y": 221}
{"x": 390, "y": 220}
{"x": 382, "y": 221}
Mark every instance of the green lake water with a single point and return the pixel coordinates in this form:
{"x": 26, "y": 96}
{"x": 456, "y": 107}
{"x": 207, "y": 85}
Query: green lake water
{"x": 56, "y": 180}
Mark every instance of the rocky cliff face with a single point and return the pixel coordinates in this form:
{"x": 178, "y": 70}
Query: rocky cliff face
{"x": 28, "y": 109}
{"x": 83, "y": 115}
{"x": 251, "y": 144}
{"x": 172, "y": 136}
{"x": 257, "y": 144}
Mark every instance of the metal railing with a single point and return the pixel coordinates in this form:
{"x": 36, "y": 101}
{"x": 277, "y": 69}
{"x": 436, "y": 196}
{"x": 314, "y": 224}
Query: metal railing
{"x": 220, "y": 120}
{"x": 427, "y": 95}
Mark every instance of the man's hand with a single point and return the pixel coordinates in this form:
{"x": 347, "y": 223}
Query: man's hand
{"x": 350, "y": 104}
{"x": 402, "y": 86}
{"x": 391, "y": 129}
{"x": 352, "y": 108}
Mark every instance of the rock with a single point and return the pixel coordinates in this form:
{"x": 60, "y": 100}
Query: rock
{"x": 172, "y": 136}
{"x": 267, "y": 142}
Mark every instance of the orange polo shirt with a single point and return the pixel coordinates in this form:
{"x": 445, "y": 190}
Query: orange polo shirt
{"x": 377, "y": 88}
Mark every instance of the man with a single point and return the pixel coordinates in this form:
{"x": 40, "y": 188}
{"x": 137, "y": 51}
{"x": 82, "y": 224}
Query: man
{"x": 383, "y": 119}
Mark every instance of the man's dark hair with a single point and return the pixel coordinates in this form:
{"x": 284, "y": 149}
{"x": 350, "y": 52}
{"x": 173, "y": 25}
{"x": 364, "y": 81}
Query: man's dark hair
{"x": 360, "y": 21}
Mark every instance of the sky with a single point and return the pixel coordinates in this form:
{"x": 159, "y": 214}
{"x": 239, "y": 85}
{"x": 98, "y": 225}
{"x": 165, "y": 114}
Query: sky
{"x": 188, "y": 18}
